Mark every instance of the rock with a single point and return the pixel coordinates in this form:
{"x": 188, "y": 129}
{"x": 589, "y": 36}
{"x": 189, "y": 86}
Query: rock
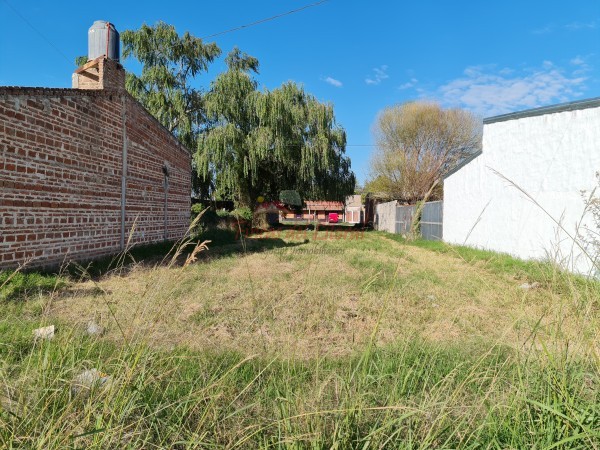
{"x": 94, "y": 329}
{"x": 533, "y": 285}
{"x": 44, "y": 332}
{"x": 89, "y": 379}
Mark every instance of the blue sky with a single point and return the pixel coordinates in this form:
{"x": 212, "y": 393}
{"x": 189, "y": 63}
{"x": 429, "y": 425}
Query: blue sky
{"x": 488, "y": 57}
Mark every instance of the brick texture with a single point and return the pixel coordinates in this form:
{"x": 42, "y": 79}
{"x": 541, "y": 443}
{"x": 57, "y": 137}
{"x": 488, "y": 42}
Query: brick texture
{"x": 61, "y": 171}
{"x": 105, "y": 74}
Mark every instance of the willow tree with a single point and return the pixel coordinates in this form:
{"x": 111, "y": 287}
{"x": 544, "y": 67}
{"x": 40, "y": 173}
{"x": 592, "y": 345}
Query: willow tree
{"x": 262, "y": 142}
{"x": 170, "y": 65}
{"x": 417, "y": 143}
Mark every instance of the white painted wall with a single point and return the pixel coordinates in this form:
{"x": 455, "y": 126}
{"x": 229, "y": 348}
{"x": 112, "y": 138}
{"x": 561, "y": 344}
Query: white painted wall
{"x": 553, "y": 158}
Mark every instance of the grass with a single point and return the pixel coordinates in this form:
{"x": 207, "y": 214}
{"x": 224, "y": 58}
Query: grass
{"x": 15, "y": 284}
{"x": 309, "y": 340}
{"x": 311, "y": 223}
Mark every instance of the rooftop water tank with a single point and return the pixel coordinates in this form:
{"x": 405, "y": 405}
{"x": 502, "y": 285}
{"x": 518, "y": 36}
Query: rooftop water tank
{"x": 103, "y": 39}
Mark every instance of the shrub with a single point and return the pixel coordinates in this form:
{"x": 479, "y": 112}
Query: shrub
{"x": 209, "y": 218}
{"x": 242, "y": 212}
{"x": 197, "y": 208}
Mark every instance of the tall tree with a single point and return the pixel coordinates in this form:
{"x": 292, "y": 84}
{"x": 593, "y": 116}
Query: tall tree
{"x": 262, "y": 142}
{"x": 170, "y": 64}
{"x": 417, "y": 143}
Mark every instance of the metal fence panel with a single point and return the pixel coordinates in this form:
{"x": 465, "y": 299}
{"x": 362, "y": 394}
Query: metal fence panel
{"x": 397, "y": 219}
{"x": 404, "y": 217}
{"x": 432, "y": 221}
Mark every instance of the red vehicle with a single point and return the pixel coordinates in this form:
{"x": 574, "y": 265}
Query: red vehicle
{"x": 333, "y": 217}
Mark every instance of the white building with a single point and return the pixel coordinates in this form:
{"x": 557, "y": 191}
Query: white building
{"x": 354, "y": 209}
{"x": 522, "y": 194}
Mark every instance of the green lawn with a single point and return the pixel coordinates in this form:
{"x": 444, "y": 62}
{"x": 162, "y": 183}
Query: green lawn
{"x": 328, "y": 339}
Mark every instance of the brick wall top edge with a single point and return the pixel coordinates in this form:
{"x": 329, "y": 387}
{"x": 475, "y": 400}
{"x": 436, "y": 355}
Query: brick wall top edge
{"x": 42, "y": 91}
{"x": 70, "y": 92}
{"x": 162, "y": 127}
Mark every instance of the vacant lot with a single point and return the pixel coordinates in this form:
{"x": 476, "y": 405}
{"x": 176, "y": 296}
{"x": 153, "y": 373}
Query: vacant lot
{"x": 327, "y": 297}
{"x": 311, "y": 340}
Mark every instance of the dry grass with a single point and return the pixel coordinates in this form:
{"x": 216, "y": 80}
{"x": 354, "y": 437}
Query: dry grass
{"x": 303, "y": 302}
{"x": 282, "y": 357}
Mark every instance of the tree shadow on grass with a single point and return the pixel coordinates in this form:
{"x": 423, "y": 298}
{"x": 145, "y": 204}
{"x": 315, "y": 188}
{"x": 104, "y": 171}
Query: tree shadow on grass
{"x": 246, "y": 245}
{"x": 220, "y": 243}
{"x": 223, "y": 243}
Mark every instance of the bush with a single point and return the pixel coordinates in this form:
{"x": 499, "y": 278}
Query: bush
{"x": 242, "y": 213}
{"x": 197, "y": 208}
{"x": 209, "y": 218}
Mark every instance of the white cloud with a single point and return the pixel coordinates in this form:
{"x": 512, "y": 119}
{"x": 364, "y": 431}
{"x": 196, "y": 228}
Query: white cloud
{"x": 409, "y": 84}
{"x": 544, "y": 30}
{"x": 578, "y": 61}
{"x": 580, "y": 65}
{"x": 572, "y": 26}
{"x": 379, "y": 74}
{"x": 488, "y": 91}
{"x": 575, "y": 26}
{"x": 333, "y": 82}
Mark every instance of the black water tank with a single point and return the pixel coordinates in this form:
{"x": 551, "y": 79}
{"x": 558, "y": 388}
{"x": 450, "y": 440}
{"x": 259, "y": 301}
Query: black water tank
{"x": 103, "y": 39}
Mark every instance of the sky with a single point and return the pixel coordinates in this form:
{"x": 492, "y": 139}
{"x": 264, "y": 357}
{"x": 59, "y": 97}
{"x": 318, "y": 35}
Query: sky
{"x": 362, "y": 56}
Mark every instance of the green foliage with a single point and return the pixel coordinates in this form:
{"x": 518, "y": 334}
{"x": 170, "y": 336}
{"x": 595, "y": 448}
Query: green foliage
{"x": 208, "y": 220}
{"x": 291, "y": 198}
{"x": 249, "y": 142}
{"x": 417, "y": 143}
{"x": 15, "y": 285}
{"x": 545, "y": 272}
{"x": 169, "y": 65}
{"x": 412, "y": 395}
{"x": 81, "y": 60}
{"x": 196, "y": 209}
{"x": 243, "y": 212}
{"x": 378, "y": 187}
{"x": 472, "y": 393}
{"x": 218, "y": 237}
{"x": 262, "y": 142}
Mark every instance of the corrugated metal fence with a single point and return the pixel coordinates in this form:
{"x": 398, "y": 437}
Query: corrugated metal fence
{"x": 432, "y": 219}
{"x": 397, "y": 219}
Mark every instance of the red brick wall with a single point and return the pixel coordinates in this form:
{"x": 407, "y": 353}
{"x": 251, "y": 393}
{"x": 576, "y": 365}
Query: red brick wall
{"x": 61, "y": 167}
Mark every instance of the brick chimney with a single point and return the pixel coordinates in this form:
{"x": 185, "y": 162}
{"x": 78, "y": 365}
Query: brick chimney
{"x": 100, "y": 73}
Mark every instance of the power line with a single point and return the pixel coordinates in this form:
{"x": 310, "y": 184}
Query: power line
{"x": 241, "y": 27}
{"x": 312, "y": 5}
{"x": 24, "y": 19}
